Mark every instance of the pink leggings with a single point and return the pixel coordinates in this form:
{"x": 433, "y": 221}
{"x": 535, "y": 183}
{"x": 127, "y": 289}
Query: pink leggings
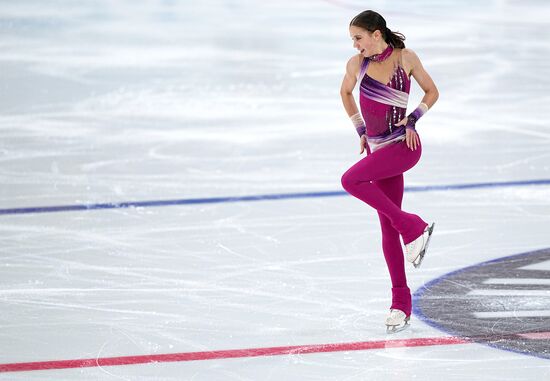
{"x": 377, "y": 179}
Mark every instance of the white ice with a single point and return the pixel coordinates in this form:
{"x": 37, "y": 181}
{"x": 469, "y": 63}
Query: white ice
{"x": 110, "y": 101}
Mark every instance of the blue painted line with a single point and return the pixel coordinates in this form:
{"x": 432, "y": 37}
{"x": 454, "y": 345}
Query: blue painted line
{"x": 212, "y": 200}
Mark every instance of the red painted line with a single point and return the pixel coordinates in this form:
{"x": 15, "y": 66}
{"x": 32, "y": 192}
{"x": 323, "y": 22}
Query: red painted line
{"x": 536, "y": 335}
{"x": 231, "y": 353}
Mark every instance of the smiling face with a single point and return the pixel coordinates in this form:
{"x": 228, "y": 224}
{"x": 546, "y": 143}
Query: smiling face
{"x": 365, "y": 42}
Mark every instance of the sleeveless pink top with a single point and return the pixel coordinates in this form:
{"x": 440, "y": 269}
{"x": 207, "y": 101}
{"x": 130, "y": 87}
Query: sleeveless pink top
{"x": 383, "y": 105}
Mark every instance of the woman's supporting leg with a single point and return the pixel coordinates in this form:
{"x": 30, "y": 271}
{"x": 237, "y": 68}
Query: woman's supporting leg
{"x": 391, "y": 245}
{"x": 386, "y": 162}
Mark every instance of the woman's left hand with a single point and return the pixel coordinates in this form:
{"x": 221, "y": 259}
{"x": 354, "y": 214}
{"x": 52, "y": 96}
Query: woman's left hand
{"x": 411, "y": 136}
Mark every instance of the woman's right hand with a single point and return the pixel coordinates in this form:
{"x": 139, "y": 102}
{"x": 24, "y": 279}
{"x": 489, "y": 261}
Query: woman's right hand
{"x": 363, "y": 143}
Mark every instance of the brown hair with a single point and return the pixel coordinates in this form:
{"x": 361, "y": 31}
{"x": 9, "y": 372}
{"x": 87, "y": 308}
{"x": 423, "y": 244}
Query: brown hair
{"x": 372, "y": 21}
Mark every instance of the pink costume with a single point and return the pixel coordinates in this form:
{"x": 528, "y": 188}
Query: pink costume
{"x": 377, "y": 179}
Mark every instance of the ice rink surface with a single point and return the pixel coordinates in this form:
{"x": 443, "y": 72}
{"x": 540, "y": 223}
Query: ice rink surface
{"x": 110, "y": 102}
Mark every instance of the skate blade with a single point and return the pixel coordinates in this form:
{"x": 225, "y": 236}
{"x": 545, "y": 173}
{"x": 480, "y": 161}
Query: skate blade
{"x": 418, "y": 261}
{"x": 390, "y": 329}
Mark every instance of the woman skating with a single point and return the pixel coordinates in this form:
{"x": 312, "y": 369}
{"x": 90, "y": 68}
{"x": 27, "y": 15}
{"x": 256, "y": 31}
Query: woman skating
{"x": 383, "y": 69}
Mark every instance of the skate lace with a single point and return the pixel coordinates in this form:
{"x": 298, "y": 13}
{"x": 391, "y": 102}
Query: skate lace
{"x": 411, "y": 246}
{"x": 394, "y": 313}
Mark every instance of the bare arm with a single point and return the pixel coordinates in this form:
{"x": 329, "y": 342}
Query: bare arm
{"x": 430, "y": 96}
{"x": 353, "y": 68}
{"x": 348, "y": 84}
{"x": 422, "y": 77}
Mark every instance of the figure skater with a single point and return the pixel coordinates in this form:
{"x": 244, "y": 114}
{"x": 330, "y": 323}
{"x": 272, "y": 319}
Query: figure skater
{"x": 383, "y": 69}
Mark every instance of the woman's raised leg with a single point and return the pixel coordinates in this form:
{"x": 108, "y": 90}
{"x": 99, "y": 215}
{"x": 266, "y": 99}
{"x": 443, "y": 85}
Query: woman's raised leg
{"x": 384, "y": 163}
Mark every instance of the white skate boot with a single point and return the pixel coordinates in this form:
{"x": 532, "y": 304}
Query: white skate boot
{"x": 417, "y": 248}
{"x": 396, "y": 321}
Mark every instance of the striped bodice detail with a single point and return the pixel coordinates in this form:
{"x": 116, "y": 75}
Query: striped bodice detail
{"x": 383, "y": 105}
